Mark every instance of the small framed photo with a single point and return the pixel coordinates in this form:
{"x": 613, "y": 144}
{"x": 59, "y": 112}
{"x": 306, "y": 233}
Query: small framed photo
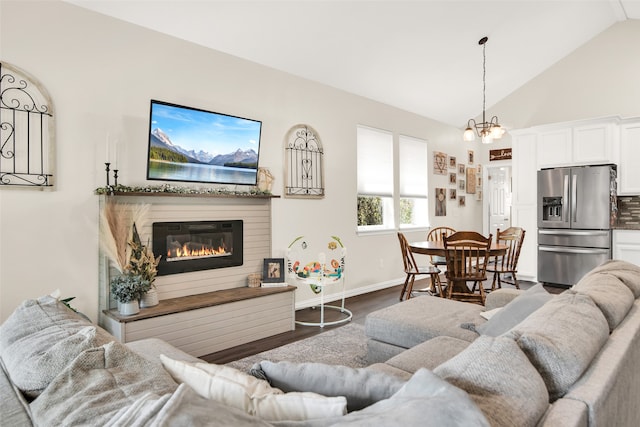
{"x": 461, "y": 168}
{"x": 452, "y": 178}
{"x": 462, "y": 201}
{"x": 470, "y": 157}
{"x": 453, "y": 194}
{"x": 452, "y": 162}
{"x": 273, "y": 270}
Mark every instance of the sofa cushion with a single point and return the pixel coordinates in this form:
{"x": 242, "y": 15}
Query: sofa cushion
{"x": 515, "y": 311}
{"x": 611, "y": 296}
{"x": 33, "y": 361}
{"x": 254, "y": 396}
{"x": 40, "y": 338}
{"x": 429, "y": 354}
{"x": 561, "y": 338}
{"x": 97, "y": 384}
{"x": 33, "y": 316}
{"x": 360, "y": 386}
{"x": 627, "y": 272}
{"x": 419, "y": 319}
{"x": 500, "y": 379}
{"x": 15, "y": 409}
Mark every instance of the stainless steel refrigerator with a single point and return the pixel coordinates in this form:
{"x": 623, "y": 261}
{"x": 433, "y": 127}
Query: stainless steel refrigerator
{"x": 576, "y": 210}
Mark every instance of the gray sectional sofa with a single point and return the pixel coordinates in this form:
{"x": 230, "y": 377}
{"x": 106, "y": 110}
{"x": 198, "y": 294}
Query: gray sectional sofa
{"x": 572, "y": 361}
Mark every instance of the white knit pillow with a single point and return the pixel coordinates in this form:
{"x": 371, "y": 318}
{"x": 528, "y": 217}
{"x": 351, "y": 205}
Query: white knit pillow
{"x": 247, "y": 393}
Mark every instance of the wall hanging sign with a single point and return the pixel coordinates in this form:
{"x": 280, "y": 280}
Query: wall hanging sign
{"x": 471, "y": 180}
{"x": 304, "y": 162}
{"x": 27, "y": 130}
{"x": 500, "y": 154}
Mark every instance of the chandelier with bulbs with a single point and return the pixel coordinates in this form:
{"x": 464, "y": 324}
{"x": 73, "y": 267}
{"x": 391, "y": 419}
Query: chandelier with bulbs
{"x": 486, "y": 130}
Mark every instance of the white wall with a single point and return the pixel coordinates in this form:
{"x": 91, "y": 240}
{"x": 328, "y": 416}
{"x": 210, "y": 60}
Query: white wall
{"x": 101, "y": 74}
{"x": 599, "y": 79}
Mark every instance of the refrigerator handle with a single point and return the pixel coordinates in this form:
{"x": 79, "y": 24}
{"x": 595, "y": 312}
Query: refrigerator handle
{"x": 574, "y": 197}
{"x": 565, "y": 198}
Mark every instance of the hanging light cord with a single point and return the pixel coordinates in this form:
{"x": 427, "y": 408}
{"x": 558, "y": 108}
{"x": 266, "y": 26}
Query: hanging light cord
{"x": 484, "y": 79}
{"x": 483, "y": 42}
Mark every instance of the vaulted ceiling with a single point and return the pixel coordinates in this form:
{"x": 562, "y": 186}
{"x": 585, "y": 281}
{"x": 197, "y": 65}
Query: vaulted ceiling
{"x": 420, "y": 56}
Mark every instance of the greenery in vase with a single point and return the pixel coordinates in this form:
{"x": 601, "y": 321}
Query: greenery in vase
{"x": 142, "y": 262}
{"x": 129, "y": 287}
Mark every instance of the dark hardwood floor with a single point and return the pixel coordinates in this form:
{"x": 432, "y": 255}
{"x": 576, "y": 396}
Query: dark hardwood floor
{"x": 360, "y": 306}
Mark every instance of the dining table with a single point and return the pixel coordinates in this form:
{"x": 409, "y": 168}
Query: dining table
{"x": 436, "y": 248}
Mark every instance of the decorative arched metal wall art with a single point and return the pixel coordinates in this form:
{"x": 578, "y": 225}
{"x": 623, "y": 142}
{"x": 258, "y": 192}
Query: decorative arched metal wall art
{"x": 304, "y": 160}
{"x": 26, "y": 130}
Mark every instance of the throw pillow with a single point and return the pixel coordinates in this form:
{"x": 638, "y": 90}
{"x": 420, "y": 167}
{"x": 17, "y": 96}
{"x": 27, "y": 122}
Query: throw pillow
{"x": 35, "y": 360}
{"x": 255, "y": 397}
{"x": 361, "y": 387}
{"x": 500, "y": 380}
{"x": 515, "y": 311}
{"x": 424, "y": 400}
{"x": 561, "y": 338}
{"x": 611, "y": 296}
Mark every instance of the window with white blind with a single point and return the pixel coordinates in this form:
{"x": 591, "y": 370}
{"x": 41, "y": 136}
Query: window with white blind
{"x": 414, "y": 184}
{"x": 383, "y": 189}
{"x": 375, "y": 179}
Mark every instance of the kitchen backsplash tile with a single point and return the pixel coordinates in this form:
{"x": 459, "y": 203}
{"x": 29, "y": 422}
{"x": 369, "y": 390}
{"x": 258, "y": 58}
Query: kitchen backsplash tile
{"x": 628, "y": 212}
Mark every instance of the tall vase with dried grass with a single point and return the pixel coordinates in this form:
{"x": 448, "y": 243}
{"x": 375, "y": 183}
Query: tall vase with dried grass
{"x": 121, "y": 243}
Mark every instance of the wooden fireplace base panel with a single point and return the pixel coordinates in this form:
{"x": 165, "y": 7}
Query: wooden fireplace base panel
{"x": 206, "y": 323}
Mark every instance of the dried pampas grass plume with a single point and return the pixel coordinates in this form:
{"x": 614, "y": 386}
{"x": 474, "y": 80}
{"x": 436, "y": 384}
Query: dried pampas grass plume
{"x": 116, "y": 228}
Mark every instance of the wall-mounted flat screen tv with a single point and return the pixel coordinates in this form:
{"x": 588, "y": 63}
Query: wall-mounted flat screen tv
{"x": 192, "y": 145}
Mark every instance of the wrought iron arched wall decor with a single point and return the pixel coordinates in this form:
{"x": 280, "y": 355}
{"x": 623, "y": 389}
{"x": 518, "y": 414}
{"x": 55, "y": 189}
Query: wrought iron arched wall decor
{"x": 26, "y": 130}
{"x": 304, "y": 160}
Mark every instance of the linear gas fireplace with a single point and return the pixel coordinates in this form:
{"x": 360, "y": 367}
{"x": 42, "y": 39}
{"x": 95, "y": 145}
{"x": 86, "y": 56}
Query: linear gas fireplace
{"x": 197, "y": 245}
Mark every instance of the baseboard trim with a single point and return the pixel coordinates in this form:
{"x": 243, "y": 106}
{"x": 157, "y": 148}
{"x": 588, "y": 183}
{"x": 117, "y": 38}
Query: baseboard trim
{"x": 349, "y": 293}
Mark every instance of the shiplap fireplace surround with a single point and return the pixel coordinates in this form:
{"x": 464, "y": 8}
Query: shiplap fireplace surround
{"x": 205, "y": 325}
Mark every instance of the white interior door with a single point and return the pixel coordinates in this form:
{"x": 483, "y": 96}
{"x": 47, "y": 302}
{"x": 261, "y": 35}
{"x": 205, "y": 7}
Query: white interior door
{"x": 498, "y": 193}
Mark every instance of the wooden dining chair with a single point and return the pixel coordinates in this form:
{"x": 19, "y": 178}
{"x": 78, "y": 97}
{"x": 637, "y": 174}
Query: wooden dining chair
{"x": 436, "y": 235}
{"x": 507, "y": 264}
{"x": 467, "y": 254}
{"x": 412, "y": 270}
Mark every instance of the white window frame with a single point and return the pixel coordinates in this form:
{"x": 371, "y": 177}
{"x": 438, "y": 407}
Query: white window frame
{"x": 375, "y": 173}
{"x": 413, "y": 178}
{"x": 392, "y": 172}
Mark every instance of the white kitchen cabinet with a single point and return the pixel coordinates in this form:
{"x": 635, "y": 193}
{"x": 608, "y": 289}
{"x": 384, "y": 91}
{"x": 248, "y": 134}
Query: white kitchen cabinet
{"x": 523, "y": 160}
{"x": 594, "y": 144}
{"x": 554, "y": 148}
{"x": 628, "y": 169}
{"x": 524, "y": 195}
{"x": 626, "y": 245}
{"x": 525, "y": 216}
{"x": 587, "y": 142}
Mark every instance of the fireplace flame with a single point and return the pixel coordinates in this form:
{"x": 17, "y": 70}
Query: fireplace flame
{"x": 190, "y": 251}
